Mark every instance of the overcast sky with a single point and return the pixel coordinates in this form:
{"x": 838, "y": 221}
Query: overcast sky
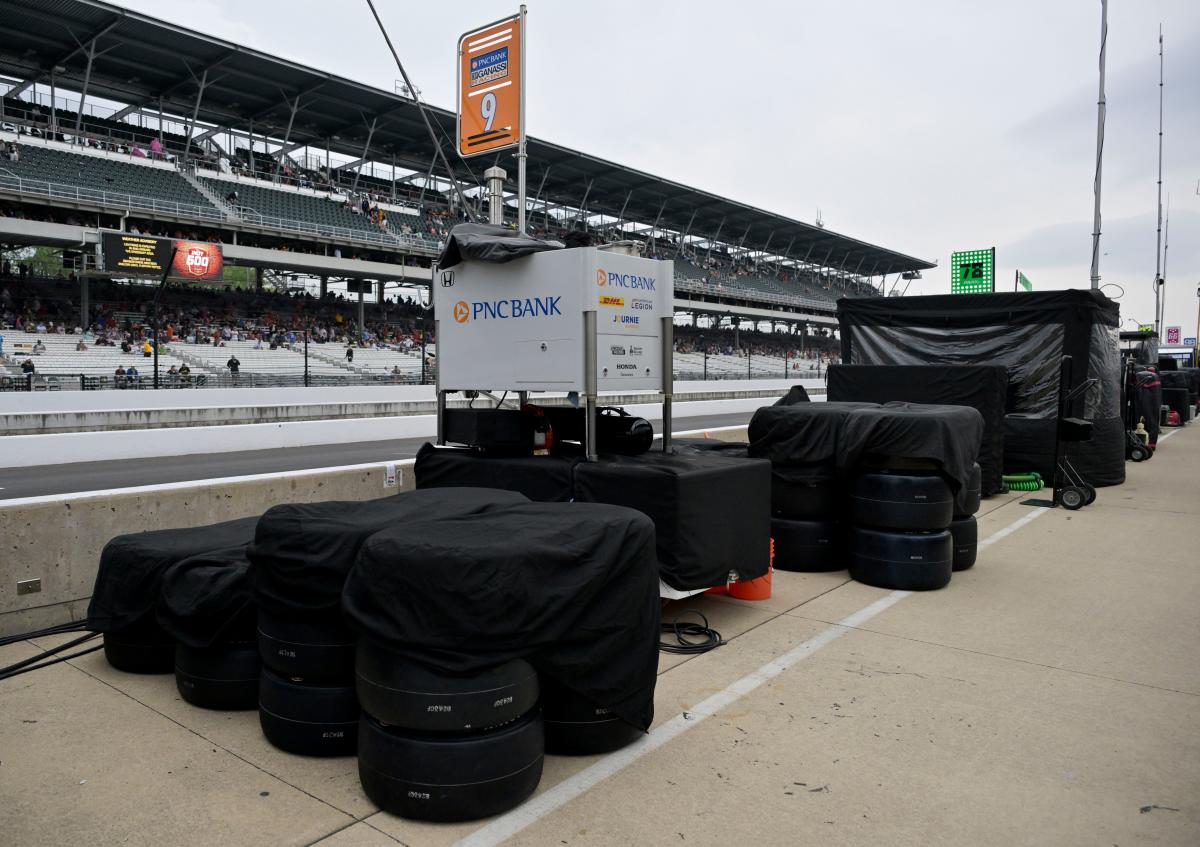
{"x": 924, "y": 127}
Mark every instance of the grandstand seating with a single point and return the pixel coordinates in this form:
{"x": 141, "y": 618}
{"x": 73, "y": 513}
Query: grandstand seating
{"x": 281, "y": 361}
{"x": 104, "y": 173}
{"x": 62, "y": 359}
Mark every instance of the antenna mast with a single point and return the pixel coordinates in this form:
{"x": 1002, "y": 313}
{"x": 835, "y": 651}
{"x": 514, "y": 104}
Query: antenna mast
{"x": 1099, "y": 146}
{"x": 1158, "y": 248}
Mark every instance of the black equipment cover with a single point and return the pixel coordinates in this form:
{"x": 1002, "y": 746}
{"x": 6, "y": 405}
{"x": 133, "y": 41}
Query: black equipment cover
{"x": 1029, "y": 446}
{"x": 132, "y": 566}
{"x": 1028, "y": 333}
{"x": 796, "y": 394}
{"x": 207, "y": 599}
{"x": 1146, "y": 401}
{"x": 801, "y": 434}
{"x": 570, "y": 587}
{"x": 303, "y": 551}
{"x": 711, "y": 446}
{"x": 712, "y": 514}
{"x": 546, "y": 479}
{"x": 983, "y": 387}
{"x": 948, "y": 435}
{"x": 489, "y": 243}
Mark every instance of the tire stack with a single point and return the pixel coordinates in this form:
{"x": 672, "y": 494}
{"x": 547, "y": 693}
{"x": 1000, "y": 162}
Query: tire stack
{"x": 805, "y": 501}
{"x": 964, "y": 531}
{"x": 901, "y": 537}
{"x": 445, "y": 748}
{"x": 577, "y": 726}
{"x": 306, "y": 699}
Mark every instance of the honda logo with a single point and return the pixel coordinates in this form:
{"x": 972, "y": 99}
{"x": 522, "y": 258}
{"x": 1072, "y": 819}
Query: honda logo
{"x": 447, "y": 279}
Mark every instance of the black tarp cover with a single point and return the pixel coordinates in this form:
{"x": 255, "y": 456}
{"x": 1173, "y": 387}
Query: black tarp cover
{"x": 948, "y": 435}
{"x": 489, "y": 243}
{"x": 303, "y": 551}
{"x": 131, "y": 568}
{"x": 796, "y": 394}
{"x": 544, "y": 479}
{"x": 207, "y": 598}
{"x": 572, "y": 587}
{"x": 983, "y": 387}
{"x": 712, "y": 514}
{"x": 1028, "y": 333}
{"x": 800, "y": 434}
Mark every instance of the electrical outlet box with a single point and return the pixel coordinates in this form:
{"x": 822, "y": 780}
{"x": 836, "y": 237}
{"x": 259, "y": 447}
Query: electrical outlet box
{"x": 28, "y": 586}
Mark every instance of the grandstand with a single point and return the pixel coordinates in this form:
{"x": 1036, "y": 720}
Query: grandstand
{"x": 119, "y": 124}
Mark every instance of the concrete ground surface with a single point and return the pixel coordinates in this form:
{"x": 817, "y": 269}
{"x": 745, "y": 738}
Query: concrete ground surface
{"x": 1049, "y": 696}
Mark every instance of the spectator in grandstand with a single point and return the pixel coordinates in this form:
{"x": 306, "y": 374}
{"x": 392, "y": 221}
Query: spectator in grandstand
{"x": 119, "y": 373}
{"x": 126, "y": 347}
{"x": 27, "y": 366}
{"x": 231, "y": 198}
{"x": 233, "y": 364}
{"x": 349, "y": 355}
{"x": 147, "y": 349}
{"x": 185, "y": 372}
{"x": 38, "y": 347}
{"x": 137, "y": 152}
{"x": 172, "y": 371}
{"x": 1, "y": 346}
{"x": 80, "y": 346}
{"x": 156, "y": 148}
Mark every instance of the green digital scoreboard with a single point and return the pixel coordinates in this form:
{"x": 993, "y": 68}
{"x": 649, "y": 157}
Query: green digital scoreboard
{"x": 973, "y": 271}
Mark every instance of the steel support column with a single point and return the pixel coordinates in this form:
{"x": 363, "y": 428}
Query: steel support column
{"x": 579, "y": 214}
{"x": 287, "y": 137}
{"x": 87, "y": 80}
{"x": 366, "y": 149}
{"x": 187, "y": 147}
{"x": 687, "y": 230}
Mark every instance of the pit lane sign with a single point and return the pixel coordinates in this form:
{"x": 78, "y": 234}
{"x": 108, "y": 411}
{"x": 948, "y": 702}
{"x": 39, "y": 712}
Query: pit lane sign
{"x": 491, "y": 87}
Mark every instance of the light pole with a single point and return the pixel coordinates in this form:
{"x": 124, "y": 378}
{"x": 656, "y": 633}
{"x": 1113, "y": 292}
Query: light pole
{"x": 1196, "y": 348}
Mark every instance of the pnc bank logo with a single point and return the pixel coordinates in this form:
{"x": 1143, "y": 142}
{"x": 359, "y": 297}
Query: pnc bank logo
{"x": 503, "y": 310}
{"x": 611, "y": 278}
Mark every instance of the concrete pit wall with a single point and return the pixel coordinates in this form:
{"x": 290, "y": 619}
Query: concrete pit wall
{"x": 58, "y": 539}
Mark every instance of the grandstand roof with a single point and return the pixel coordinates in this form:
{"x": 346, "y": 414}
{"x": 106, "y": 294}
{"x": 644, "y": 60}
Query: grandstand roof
{"x": 139, "y": 59}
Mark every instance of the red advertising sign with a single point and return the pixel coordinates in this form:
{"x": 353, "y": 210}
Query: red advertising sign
{"x": 1173, "y": 334}
{"x": 197, "y": 260}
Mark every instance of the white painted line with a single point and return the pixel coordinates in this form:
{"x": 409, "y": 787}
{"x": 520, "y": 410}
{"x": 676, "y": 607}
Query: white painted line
{"x": 1167, "y": 435}
{"x": 508, "y": 825}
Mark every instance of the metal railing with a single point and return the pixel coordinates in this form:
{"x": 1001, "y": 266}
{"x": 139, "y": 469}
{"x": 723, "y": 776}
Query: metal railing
{"x": 111, "y": 199}
{"x": 385, "y": 239}
{"x": 701, "y": 287}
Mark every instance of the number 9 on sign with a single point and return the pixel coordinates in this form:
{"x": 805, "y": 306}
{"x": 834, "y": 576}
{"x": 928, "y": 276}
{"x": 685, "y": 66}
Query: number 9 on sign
{"x": 487, "y": 108}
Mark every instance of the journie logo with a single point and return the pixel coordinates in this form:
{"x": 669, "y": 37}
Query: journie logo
{"x": 601, "y": 277}
{"x": 627, "y": 320}
{"x": 461, "y": 311}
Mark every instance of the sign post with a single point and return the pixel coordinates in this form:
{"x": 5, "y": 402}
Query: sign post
{"x": 491, "y": 94}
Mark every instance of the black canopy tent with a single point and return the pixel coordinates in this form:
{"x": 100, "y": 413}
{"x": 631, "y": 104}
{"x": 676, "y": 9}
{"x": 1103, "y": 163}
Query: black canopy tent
{"x": 1028, "y": 333}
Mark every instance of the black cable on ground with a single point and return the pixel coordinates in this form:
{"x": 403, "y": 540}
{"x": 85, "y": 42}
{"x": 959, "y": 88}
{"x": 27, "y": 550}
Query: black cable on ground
{"x": 4, "y": 676}
{"x": 15, "y": 668}
{"x": 690, "y": 638}
{"x": 57, "y": 629}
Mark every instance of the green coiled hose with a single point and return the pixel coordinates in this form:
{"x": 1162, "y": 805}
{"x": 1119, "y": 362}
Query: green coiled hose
{"x": 1031, "y": 481}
